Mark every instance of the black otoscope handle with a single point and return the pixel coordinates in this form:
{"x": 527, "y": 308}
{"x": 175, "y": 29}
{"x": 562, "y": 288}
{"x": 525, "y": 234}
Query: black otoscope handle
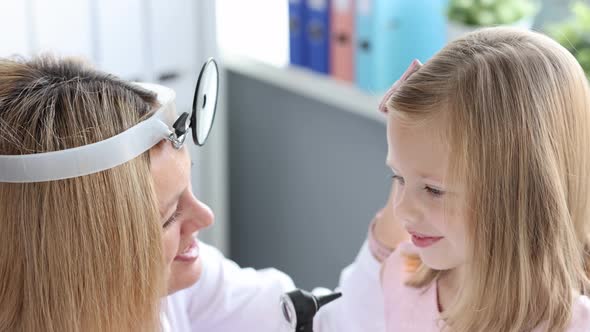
{"x": 308, "y": 327}
{"x": 302, "y": 307}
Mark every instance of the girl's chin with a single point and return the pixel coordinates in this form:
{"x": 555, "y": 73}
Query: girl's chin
{"x": 436, "y": 262}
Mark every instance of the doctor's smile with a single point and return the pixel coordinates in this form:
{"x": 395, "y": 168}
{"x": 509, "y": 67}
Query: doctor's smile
{"x": 190, "y": 253}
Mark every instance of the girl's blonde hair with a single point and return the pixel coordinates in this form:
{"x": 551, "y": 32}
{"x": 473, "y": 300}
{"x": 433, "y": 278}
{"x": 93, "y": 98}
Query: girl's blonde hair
{"x": 82, "y": 254}
{"x": 517, "y": 110}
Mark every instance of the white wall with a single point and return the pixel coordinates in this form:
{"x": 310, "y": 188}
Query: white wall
{"x": 258, "y": 29}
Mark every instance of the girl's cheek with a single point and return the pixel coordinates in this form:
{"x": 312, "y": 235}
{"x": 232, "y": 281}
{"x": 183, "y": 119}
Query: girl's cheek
{"x": 437, "y": 215}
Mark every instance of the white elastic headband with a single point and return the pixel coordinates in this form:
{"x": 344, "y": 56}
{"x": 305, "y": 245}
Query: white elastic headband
{"x": 96, "y": 157}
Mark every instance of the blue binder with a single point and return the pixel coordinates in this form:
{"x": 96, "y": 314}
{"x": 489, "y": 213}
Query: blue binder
{"x": 391, "y": 33}
{"x": 364, "y": 65}
{"x": 297, "y": 35}
{"x": 419, "y": 32}
{"x": 318, "y": 35}
{"x": 387, "y": 21}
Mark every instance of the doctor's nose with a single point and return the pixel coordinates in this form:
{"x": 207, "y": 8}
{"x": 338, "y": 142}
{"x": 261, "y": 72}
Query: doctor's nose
{"x": 199, "y": 216}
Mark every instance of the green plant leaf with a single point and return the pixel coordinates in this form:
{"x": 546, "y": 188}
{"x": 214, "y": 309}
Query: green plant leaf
{"x": 507, "y": 15}
{"x": 583, "y": 57}
{"x": 490, "y": 12}
{"x": 486, "y": 17}
{"x": 582, "y": 15}
{"x": 567, "y": 34}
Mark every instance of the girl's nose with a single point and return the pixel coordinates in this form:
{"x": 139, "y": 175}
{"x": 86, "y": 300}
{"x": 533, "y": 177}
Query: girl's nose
{"x": 405, "y": 207}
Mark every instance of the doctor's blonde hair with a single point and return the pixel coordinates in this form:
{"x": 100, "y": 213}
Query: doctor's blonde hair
{"x": 81, "y": 254}
{"x": 517, "y": 110}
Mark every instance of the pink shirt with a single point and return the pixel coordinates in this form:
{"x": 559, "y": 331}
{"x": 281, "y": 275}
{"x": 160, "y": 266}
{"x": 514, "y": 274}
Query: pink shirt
{"x": 410, "y": 309}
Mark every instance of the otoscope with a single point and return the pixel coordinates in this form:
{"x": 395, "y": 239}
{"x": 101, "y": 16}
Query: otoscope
{"x": 299, "y": 307}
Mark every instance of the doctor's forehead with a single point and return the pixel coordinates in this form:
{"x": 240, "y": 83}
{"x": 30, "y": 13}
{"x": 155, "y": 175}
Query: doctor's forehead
{"x": 170, "y": 169}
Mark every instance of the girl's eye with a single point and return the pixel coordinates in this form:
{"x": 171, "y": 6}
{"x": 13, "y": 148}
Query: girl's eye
{"x": 172, "y": 220}
{"x": 398, "y": 178}
{"x": 434, "y": 192}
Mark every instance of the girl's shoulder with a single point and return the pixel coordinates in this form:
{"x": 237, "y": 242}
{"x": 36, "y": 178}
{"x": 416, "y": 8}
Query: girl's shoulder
{"x": 398, "y": 266}
{"x": 397, "y": 269}
{"x": 580, "y": 315}
{"x": 407, "y": 308}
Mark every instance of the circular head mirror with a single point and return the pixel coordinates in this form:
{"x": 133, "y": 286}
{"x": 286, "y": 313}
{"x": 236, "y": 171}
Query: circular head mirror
{"x": 205, "y": 102}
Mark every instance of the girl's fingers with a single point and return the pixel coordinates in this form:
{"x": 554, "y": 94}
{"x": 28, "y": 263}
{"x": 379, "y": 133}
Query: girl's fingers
{"x": 414, "y": 66}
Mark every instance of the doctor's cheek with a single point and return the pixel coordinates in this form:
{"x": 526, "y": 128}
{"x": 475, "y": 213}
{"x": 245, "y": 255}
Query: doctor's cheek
{"x": 170, "y": 241}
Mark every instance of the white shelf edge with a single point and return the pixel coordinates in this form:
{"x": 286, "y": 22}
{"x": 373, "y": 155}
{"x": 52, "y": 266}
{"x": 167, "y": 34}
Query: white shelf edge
{"x": 306, "y": 83}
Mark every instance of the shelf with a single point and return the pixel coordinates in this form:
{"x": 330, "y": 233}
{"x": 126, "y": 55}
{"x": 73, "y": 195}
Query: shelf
{"x": 304, "y": 82}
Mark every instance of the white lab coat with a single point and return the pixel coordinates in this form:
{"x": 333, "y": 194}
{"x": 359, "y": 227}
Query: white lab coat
{"x": 228, "y": 298}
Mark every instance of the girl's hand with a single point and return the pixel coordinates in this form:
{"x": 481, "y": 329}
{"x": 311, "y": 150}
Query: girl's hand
{"x": 388, "y": 230}
{"x": 414, "y": 66}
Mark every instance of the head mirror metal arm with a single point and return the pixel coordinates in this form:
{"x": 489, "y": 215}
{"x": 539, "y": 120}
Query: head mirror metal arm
{"x": 181, "y": 126}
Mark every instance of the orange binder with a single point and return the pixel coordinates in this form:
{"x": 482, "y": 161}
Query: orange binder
{"x": 342, "y": 40}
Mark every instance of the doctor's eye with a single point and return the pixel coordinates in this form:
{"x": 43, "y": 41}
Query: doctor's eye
{"x": 172, "y": 220}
